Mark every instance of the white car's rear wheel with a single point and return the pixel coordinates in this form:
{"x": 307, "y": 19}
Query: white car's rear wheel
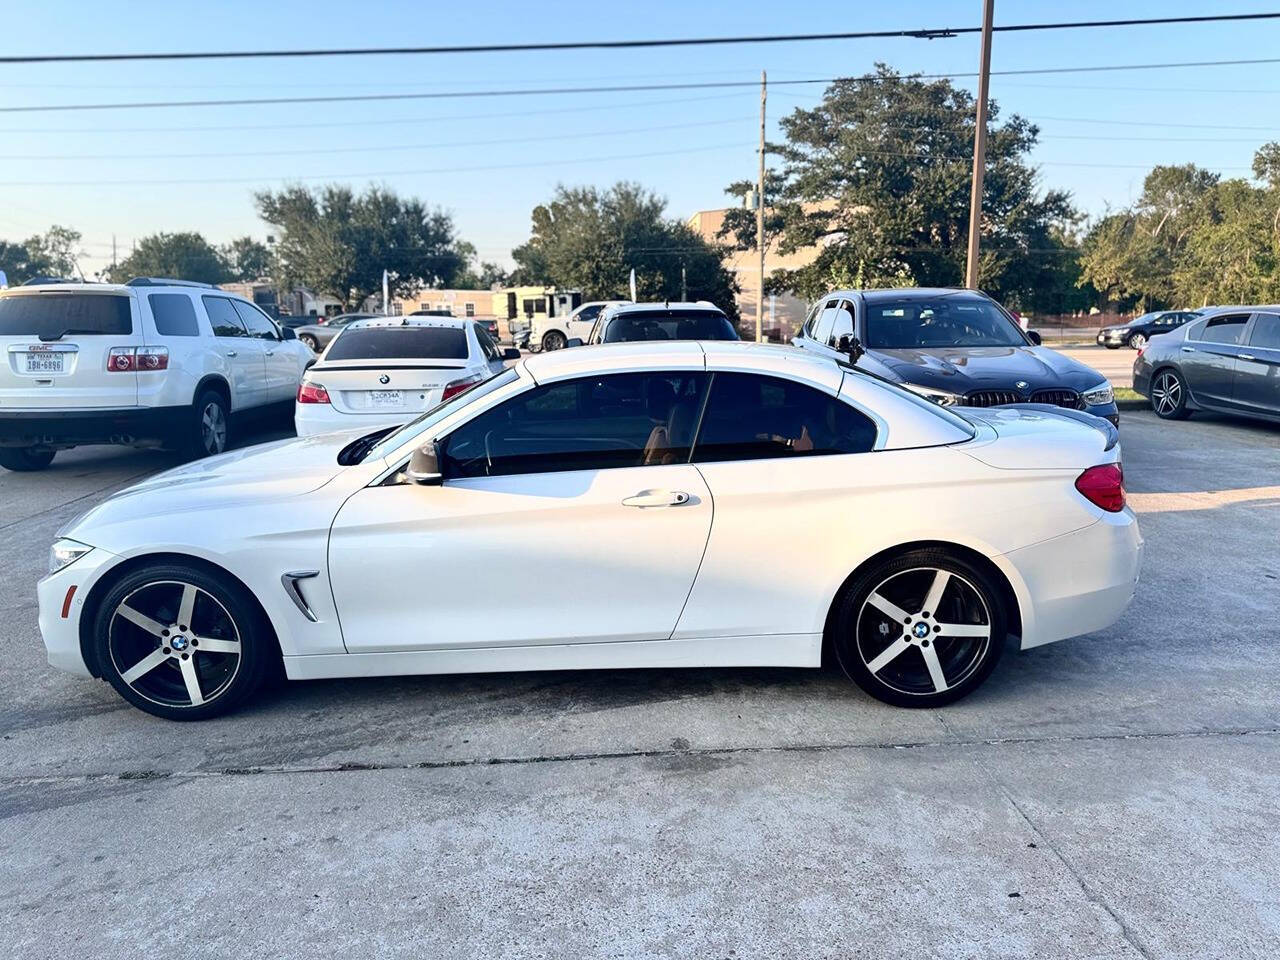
{"x": 181, "y": 643}
{"x": 554, "y": 340}
{"x": 211, "y": 426}
{"x": 920, "y": 630}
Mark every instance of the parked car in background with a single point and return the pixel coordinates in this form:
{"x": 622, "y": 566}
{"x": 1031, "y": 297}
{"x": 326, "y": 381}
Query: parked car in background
{"x": 954, "y": 347}
{"x": 1227, "y": 361}
{"x": 318, "y": 333}
{"x": 1136, "y": 332}
{"x": 195, "y": 582}
{"x": 388, "y": 370}
{"x": 637, "y": 322}
{"x": 554, "y": 333}
{"x": 149, "y": 362}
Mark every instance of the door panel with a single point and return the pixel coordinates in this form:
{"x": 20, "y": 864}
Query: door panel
{"x": 1257, "y": 381}
{"x": 1208, "y": 361}
{"x": 242, "y": 353}
{"x": 519, "y": 560}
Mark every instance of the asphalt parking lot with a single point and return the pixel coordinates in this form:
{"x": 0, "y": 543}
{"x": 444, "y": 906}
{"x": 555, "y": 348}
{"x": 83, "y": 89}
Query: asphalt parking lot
{"x": 1111, "y": 796}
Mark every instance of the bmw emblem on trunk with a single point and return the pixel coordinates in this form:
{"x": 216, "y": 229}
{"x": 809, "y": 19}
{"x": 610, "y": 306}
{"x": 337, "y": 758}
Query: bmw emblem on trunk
{"x": 385, "y": 379}
{"x": 1021, "y": 384}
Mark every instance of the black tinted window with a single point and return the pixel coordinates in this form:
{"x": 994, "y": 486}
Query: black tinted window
{"x": 1266, "y": 332}
{"x": 399, "y": 343}
{"x": 223, "y": 318}
{"x": 843, "y": 325}
{"x": 50, "y": 315}
{"x": 944, "y": 322}
{"x": 174, "y": 314}
{"x": 663, "y": 325}
{"x": 487, "y": 346}
{"x": 1228, "y": 329}
{"x": 595, "y": 423}
{"x": 751, "y": 418}
{"x": 255, "y": 321}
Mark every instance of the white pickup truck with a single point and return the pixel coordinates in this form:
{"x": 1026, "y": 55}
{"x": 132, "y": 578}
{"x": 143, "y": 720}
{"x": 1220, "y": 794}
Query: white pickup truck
{"x": 553, "y": 333}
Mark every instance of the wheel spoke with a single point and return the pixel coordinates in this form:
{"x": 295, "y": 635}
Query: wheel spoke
{"x": 140, "y": 619}
{"x": 889, "y": 608}
{"x": 186, "y": 606}
{"x": 217, "y": 645}
{"x": 192, "y": 681}
{"x": 935, "y": 668}
{"x": 144, "y": 666}
{"x": 890, "y": 653}
{"x": 965, "y": 630}
{"x": 934, "y": 598}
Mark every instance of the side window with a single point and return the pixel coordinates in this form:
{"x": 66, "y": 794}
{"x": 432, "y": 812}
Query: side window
{"x": 1228, "y": 329}
{"x": 826, "y": 319}
{"x": 223, "y": 318}
{"x": 594, "y": 423}
{"x": 255, "y": 321}
{"x": 174, "y": 314}
{"x": 1266, "y": 332}
{"x": 751, "y": 417}
{"x": 811, "y": 320}
{"x": 587, "y": 314}
{"x": 843, "y": 325}
{"x": 487, "y": 346}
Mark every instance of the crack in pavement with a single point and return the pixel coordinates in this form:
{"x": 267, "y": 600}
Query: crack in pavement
{"x": 444, "y": 764}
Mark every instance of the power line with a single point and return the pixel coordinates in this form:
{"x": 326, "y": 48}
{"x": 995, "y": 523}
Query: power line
{"x": 928, "y": 33}
{"x": 621, "y": 88}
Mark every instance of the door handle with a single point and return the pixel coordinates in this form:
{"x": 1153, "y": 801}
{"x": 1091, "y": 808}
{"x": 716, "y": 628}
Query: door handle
{"x": 231, "y": 353}
{"x": 271, "y": 353}
{"x": 1188, "y": 349}
{"x": 657, "y": 498}
{"x": 1245, "y": 356}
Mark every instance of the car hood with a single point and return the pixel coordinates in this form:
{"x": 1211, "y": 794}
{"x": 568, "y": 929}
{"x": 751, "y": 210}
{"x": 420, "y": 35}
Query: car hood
{"x": 281, "y": 470}
{"x": 964, "y": 369}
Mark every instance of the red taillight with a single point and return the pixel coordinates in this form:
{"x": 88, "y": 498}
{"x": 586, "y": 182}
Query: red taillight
{"x": 312, "y": 393}
{"x": 457, "y": 387}
{"x": 129, "y": 359}
{"x": 1103, "y": 486}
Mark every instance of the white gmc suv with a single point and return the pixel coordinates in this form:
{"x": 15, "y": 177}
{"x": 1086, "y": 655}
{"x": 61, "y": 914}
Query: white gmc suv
{"x": 147, "y": 362}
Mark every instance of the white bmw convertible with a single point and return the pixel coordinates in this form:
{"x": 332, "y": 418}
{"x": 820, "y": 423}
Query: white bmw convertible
{"x": 652, "y": 505}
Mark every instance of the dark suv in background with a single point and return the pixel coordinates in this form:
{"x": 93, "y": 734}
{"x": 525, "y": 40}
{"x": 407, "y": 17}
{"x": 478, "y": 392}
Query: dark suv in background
{"x": 954, "y": 347}
{"x": 1139, "y": 330}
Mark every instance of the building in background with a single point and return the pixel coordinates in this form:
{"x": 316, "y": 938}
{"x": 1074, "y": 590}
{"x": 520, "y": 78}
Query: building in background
{"x": 461, "y": 303}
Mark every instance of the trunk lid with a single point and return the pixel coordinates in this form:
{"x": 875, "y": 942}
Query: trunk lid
{"x": 384, "y": 387}
{"x": 1039, "y": 437}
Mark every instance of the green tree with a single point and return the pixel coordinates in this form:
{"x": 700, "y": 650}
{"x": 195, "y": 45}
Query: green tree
{"x": 876, "y": 177}
{"x": 246, "y": 258}
{"x": 53, "y": 253}
{"x": 588, "y": 239}
{"x": 338, "y": 243}
{"x": 1231, "y": 255}
{"x": 178, "y": 256}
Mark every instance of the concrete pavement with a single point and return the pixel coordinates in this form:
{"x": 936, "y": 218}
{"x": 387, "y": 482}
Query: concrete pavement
{"x": 1110, "y": 796}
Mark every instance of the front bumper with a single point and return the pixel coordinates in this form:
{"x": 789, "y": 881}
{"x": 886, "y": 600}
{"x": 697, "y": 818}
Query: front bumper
{"x": 1112, "y": 338}
{"x": 61, "y": 598}
{"x": 69, "y": 428}
{"x": 1080, "y": 582}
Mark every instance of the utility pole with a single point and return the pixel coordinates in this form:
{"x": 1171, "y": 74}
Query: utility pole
{"x": 764, "y": 94}
{"x": 684, "y": 284}
{"x": 113, "y": 253}
{"x": 979, "y": 148}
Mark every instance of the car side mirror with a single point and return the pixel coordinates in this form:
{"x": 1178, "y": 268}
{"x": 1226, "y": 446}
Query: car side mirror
{"x": 850, "y": 345}
{"x": 510, "y": 354}
{"x": 286, "y": 333}
{"x": 424, "y": 465}
{"x": 573, "y": 342}
{"x": 1034, "y": 337}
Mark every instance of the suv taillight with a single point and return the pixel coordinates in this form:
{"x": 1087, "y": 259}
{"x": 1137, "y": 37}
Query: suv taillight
{"x": 1103, "y": 486}
{"x": 130, "y": 359}
{"x": 457, "y": 387}
{"x": 312, "y": 393}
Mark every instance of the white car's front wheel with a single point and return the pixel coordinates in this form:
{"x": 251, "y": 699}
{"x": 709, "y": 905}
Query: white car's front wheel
{"x": 554, "y": 340}
{"x": 920, "y": 630}
{"x": 181, "y": 642}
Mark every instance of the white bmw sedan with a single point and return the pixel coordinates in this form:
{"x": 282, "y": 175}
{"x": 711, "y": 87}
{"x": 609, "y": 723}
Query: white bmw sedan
{"x": 713, "y": 504}
{"x": 386, "y": 370}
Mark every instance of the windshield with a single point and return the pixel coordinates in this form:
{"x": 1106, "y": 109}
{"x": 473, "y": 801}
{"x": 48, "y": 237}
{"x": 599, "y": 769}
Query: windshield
{"x": 665, "y": 325}
{"x": 907, "y": 324}
{"x": 427, "y": 420}
{"x": 50, "y": 315}
{"x": 399, "y": 343}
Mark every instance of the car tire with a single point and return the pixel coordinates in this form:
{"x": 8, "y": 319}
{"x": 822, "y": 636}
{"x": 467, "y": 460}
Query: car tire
{"x": 26, "y": 459}
{"x": 209, "y": 428}
{"x": 155, "y": 671}
{"x": 1169, "y": 395}
{"x": 1112, "y": 346}
{"x": 1138, "y": 341}
{"x": 895, "y": 648}
{"x": 311, "y": 342}
{"x": 554, "y": 340}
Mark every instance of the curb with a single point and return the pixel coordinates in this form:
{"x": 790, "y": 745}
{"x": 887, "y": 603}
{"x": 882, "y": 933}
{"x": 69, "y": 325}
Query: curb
{"x": 1142, "y": 404}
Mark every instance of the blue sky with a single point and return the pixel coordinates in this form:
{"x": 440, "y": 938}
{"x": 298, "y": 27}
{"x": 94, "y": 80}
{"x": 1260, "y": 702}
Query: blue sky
{"x": 493, "y": 159}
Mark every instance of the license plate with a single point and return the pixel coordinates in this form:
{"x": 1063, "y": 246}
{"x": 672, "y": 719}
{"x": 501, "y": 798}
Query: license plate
{"x": 384, "y": 398}
{"x": 45, "y": 362}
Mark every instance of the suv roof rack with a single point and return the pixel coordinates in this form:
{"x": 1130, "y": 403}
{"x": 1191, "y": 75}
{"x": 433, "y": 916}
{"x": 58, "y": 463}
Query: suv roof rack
{"x": 36, "y": 281}
{"x": 165, "y": 282}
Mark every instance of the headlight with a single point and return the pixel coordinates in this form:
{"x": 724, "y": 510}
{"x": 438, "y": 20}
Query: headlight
{"x": 1099, "y": 395}
{"x": 941, "y": 397}
{"x": 64, "y": 552}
